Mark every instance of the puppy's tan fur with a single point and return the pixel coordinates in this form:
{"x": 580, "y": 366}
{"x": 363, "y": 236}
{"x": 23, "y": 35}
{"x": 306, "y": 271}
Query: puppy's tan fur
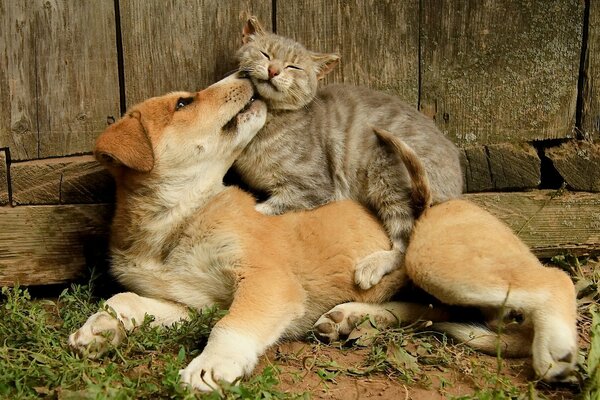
{"x": 464, "y": 256}
{"x": 180, "y": 238}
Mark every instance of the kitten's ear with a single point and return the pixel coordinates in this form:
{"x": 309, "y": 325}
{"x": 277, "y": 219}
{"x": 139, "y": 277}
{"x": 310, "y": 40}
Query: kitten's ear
{"x": 325, "y": 63}
{"x": 125, "y": 144}
{"x": 251, "y": 27}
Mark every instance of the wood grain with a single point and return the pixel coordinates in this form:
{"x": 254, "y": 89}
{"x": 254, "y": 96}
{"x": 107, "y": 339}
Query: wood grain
{"x": 590, "y": 116}
{"x": 578, "y": 163}
{"x": 3, "y": 178}
{"x": 51, "y": 244}
{"x": 547, "y": 221}
{"x": 67, "y": 180}
{"x": 77, "y": 78}
{"x": 501, "y": 71}
{"x": 193, "y": 42}
{"x": 377, "y": 39}
{"x": 60, "y": 68}
{"x": 514, "y": 166}
{"x": 476, "y": 169}
{"x": 18, "y": 105}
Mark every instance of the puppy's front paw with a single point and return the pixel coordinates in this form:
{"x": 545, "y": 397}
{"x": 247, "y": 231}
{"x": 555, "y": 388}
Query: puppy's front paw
{"x": 373, "y": 267}
{"x": 227, "y": 357}
{"x": 206, "y": 370}
{"x": 97, "y": 334}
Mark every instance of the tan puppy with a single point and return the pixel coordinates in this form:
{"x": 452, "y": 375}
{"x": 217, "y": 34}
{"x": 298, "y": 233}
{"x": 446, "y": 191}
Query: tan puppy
{"x": 464, "y": 256}
{"x": 180, "y": 238}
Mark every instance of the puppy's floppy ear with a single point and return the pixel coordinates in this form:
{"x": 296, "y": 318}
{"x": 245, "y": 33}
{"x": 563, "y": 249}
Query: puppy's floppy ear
{"x": 325, "y": 63}
{"x": 251, "y": 27}
{"x": 126, "y": 143}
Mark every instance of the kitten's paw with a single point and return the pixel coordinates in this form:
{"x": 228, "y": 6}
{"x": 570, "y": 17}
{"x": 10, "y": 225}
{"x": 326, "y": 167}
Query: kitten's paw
{"x": 227, "y": 357}
{"x": 267, "y": 209}
{"x": 97, "y": 334}
{"x": 555, "y": 353}
{"x": 373, "y": 267}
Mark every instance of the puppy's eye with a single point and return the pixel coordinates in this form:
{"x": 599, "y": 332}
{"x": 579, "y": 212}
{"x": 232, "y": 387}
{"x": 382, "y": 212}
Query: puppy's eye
{"x": 182, "y": 102}
{"x": 266, "y": 55}
{"x": 294, "y": 67}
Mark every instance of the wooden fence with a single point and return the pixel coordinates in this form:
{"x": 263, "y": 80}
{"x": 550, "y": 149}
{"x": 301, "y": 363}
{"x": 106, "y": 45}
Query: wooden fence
{"x": 514, "y": 83}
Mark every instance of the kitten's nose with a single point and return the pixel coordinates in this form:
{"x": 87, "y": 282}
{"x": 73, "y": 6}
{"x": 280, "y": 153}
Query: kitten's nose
{"x": 273, "y": 71}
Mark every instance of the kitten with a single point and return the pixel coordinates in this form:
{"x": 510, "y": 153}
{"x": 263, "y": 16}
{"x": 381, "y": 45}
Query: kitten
{"x": 317, "y": 145}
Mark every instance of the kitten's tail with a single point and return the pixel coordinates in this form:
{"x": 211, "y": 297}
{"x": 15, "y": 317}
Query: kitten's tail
{"x": 421, "y": 195}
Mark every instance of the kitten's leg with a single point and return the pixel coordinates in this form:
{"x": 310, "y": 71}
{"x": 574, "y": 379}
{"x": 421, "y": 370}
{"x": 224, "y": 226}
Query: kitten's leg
{"x": 290, "y": 199}
{"x": 398, "y": 221}
{"x": 260, "y": 314}
{"x": 123, "y": 312}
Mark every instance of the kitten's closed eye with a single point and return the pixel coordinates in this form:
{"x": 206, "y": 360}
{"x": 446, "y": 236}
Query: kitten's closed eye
{"x": 295, "y": 67}
{"x": 266, "y": 55}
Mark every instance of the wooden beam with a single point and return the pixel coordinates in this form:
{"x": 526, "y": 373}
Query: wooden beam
{"x": 578, "y": 163}
{"x": 501, "y": 71}
{"x": 56, "y": 244}
{"x": 3, "y": 178}
{"x": 500, "y": 167}
{"x": 194, "y": 49}
{"x": 590, "y": 116}
{"x": 66, "y": 180}
{"x": 549, "y": 222}
{"x": 42, "y": 245}
{"x": 378, "y": 40}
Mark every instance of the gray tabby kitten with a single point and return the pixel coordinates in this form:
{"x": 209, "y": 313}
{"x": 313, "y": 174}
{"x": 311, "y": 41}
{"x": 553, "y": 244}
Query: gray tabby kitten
{"x": 318, "y": 145}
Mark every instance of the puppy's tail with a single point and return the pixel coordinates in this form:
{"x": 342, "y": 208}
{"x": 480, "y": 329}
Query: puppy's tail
{"x": 421, "y": 194}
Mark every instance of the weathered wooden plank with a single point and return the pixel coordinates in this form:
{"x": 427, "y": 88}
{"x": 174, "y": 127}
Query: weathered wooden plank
{"x": 578, "y": 163}
{"x": 476, "y": 169}
{"x": 500, "y": 71}
{"x": 590, "y": 116}
{"x": 193, "y": 42}
{"x": 67, "y": 180}
{"x": 3, "y": 178}
{"x": 77, "y": 78}
{"x": 18, "y": 114}
{"x": 51, "y": 244}
{"x": 377, "y": 39}
{"x": 54, "y": 244}
{"x": 514, "y": 166}
{"x": 59, "y": 64}
{"x": 549, "y": 222}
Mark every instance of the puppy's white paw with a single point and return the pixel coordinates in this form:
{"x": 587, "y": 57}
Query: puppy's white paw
{"x": 227, "y": 357}
{"x": 97, "y": 334}
{"x": 555, "y": 353}
{"x": 373, "y": 267}
{"x": 340, "y": 321}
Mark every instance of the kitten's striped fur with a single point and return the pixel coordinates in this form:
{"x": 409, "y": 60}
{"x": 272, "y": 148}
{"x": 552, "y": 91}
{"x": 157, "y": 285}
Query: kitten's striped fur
{"x": 318, "y": 145}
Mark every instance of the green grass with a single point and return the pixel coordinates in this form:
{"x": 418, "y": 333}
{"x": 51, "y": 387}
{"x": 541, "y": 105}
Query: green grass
{"x": 35, "y": 361}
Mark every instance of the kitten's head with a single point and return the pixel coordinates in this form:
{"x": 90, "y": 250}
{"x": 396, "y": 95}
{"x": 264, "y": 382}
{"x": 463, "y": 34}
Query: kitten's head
{"x": 284, "y": 73}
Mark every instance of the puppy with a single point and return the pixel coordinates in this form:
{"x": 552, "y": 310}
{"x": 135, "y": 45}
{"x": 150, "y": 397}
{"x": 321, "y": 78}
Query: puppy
{"x": 181, "y": 239}
{"x": 464, "y": 256}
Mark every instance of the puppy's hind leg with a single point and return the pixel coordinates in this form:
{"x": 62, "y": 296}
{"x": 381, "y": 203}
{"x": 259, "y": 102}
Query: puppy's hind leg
{"x": 123, "y": 312}
{"x": 545, "y": 296}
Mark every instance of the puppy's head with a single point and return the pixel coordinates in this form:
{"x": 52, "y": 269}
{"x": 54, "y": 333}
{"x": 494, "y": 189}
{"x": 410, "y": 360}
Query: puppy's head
{"x": 183, "y": 133}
